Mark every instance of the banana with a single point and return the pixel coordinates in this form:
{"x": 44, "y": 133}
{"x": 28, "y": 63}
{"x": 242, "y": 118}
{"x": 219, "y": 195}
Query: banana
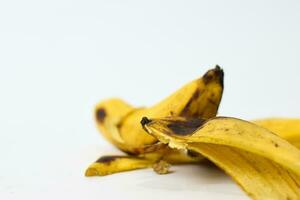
{"x": 262, "y": 163}
{"x": 183, "y": 129}
{"x": 119, "y": 123}
{"x": 106, "y": 165}
{"x": 159, "y": 160}
{"x": 287, "y": 128}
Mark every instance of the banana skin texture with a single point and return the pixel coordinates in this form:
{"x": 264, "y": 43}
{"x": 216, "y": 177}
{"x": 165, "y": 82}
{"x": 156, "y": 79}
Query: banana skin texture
{"x": 262, "y": 156}
{"x": 119, "y": 123}
{"x": 287, "y": 128}
{"x": 264, "y": 165}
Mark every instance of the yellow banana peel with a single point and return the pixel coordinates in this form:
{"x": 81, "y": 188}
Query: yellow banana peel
{"x": 287, "y": 128}
{"x": 262, "y": 156}
{"x": 110, "y": 164}
{"x": 262, "y": 163}
{"x": 119, "y": 123}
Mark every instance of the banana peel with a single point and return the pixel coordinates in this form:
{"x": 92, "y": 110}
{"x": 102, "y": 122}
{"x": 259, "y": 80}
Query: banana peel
{"x": 159, "y": 160}
{"x": 260, "y": 156}
{"x": 119, "y": 123}
{"x": 287, "y": 128}
{"x": 262, "y": 163}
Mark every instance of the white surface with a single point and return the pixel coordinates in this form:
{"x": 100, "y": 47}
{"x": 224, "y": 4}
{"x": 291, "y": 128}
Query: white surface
{"x": 58, "y": 58}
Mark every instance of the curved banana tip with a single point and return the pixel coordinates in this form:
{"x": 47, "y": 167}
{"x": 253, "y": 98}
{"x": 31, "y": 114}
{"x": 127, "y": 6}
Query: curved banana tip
{"x": 214, "y": 74}
{"x": 219, "y": 71}
{"x": 217, "y": 67}
{"x": 145, "y": 121}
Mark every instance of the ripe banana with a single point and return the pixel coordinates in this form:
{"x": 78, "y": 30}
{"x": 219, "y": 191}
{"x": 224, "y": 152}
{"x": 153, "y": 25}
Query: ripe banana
{"x": 262, "y": 163}
{"x": 119, "y": 122}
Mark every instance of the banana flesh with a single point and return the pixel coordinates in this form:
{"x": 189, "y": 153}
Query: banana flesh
{"x": 262, "y": 163}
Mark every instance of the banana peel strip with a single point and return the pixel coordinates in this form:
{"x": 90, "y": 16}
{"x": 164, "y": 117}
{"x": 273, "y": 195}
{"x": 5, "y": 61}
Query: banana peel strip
{"x": 287, "y": 128}
{"x": 263, "y": 164}
{"x": 119, "y": 123}
{"x": 106, "y": 165}
{"x": 111, "y": 164}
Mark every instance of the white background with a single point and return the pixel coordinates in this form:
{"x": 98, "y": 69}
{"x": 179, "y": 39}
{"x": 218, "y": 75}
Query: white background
{"x": 59, "y": 58}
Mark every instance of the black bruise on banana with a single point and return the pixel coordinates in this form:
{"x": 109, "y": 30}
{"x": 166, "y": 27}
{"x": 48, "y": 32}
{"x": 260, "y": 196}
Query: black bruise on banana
{"x": 108, "y": 159}
{"x": 185, "y": 127}
{"x": 100, "y": 115}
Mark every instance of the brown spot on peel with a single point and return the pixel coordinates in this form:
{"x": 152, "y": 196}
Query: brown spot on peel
{"x": 210, "y": 100}
{"x": 196, "y": 95}
{"x": 207, "y": 77}
{"x": 216, "y": 72}
{"x": 275, "y": 144}
{"x": 100, "y": 115}
{"x": 108, "y": 159}
{"x": 186, "y": 109}
{"x": 215, "y": 75}
{"x": 185, "y": 127}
